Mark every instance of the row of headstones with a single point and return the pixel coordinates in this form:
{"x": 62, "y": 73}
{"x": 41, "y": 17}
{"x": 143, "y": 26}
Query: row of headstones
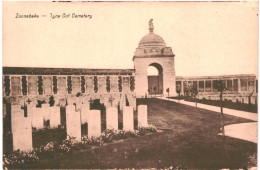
{"x": 22, "y": 126}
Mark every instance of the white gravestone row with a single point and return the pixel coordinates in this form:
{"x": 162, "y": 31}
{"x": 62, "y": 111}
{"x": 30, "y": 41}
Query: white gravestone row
{"x": 142, "y": 115}
{"x": 22, "y": 133}
{"x": 84, "y": 113}
{"x": 73, "y": 125}
{"x": 55, "y": 116}
{"x": 94, "y": 124}
{"x": 112, "y": 118}
{"x": 128, "y": 118}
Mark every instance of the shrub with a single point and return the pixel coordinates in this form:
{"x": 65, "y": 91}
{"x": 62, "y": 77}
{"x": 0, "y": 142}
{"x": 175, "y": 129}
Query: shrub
{"x": 18, "y": 158}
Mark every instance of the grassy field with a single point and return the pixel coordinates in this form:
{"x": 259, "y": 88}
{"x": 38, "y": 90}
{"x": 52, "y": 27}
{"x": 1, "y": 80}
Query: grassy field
{"x": 188, "y": 138}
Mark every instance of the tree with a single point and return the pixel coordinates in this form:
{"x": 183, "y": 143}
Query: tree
{"x": 220, "y": 86}
{"x": 194, "y": 93}
{"x": 179, "y": 93}
{"x": 249, "y": 97}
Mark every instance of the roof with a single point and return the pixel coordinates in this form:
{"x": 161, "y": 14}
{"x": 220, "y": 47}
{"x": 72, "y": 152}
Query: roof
{"x": 65, "y": 71}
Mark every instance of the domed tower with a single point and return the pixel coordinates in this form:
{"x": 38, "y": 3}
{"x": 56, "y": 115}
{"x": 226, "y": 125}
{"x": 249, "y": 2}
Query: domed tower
{"x": 152, "y": 51}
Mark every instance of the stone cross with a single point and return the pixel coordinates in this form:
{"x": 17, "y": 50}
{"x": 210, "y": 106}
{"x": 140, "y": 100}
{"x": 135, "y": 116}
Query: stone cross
{"x": 28, "y": 101}
{"x": 111, "y": 99}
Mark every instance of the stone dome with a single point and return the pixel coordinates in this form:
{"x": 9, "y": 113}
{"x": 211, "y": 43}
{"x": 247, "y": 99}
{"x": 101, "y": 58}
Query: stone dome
{"x": 152, "y": 40}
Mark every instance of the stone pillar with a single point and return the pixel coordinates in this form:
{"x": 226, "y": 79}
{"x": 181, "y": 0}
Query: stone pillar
{"x": 239, "y": 85}
{"x": 55, "y": 117}
{"x": 112, "y": 118}
{"x": 22, "y": 134}
{"x": 37, "y": 118}
{"x": 204, "y": 90}
{"x": 247, "y": 86}
{"x": 211, "y": 83}
{"x": 128, "y": 118}
{"x": 142, "y": 115}
{"x": 94, "y": 124}
{"x": 73, "y": 125}
{"x": 182, "y": 88}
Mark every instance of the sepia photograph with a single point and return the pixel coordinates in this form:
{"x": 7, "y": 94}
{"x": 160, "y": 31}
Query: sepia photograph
{"x": 140, "y": 85}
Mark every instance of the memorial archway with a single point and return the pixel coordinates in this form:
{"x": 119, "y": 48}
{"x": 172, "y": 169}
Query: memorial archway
{"x": 155, "y": 79}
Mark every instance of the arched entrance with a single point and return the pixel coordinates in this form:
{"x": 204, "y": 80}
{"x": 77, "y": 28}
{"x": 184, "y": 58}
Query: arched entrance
{"x": 155, "y": 79}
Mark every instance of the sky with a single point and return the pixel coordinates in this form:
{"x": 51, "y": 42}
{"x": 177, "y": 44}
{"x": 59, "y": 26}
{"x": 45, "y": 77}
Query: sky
{"x": 207, "y": 38}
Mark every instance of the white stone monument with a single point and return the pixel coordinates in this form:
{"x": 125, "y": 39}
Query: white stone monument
{"x": 128, "y": 118}
{"x": 70, "y": 108}
{"x": 55, "y": 116}
{"x": 45, "y": 105}
{"x": 142, "y": 115}
{"x": 37, "y": 118}
{"x": 112, "y": 118}
{"x": 46, "y": 113}
{"x": 73, "y": 124}
{"x": 84, "y": 113}
{"x": 16, "y": 111}
{"x": 94, "y": 124}
{"x": 22, "y": 134}
{"x": 30, "y": 110}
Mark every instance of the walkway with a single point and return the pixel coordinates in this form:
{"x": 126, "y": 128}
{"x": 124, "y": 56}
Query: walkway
{"x": 238, "y": 113}
{"x": 244, "y": 131}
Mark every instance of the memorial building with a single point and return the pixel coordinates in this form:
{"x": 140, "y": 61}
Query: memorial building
{"x": 116, "y": 87}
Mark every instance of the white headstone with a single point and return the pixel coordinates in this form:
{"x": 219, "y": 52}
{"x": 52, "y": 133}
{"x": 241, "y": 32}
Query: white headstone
{"x": 46, "y": 113}
{"x": 128, "y": 118}
{"x": 37, "y": 118}
{"x": 112, "y": 118}
{"x": 45, "y": 105}
{"x": 22, "y": 134}
{"x": 16, "y": 111}
{"x": 142, "y": 115}
{"x": 55, "y": 116}
{"x": 70, "y": 108}
{"x": 73, "y": 124}
{"x": 78, "y": 103}
{"x": 94, "y": 124}
{"x": 84, "y": 113}
{"x": 30, "y": 110}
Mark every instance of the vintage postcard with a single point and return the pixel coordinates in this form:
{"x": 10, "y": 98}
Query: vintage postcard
{"x": 167, "y": 85}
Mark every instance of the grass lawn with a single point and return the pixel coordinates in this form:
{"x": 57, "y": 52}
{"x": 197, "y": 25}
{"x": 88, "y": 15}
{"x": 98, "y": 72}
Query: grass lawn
{"x": 226, "y": 104}
{"x": 188, "y": 138}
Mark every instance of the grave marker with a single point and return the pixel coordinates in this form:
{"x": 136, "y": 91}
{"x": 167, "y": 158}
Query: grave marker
{"x": 55, "y": 116}
{"x": 94, "y": 124}
{"x": 37, "y": 118}
{"x": 16, "y": 111}
{"x": 128, "y": 118}
{"x": 73, "y": 124}
{"x": 84, "y": 113}
{"x": 22, "y": 134}
{"x": 112, "y": 118}
{"x": 142, "y": 115}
